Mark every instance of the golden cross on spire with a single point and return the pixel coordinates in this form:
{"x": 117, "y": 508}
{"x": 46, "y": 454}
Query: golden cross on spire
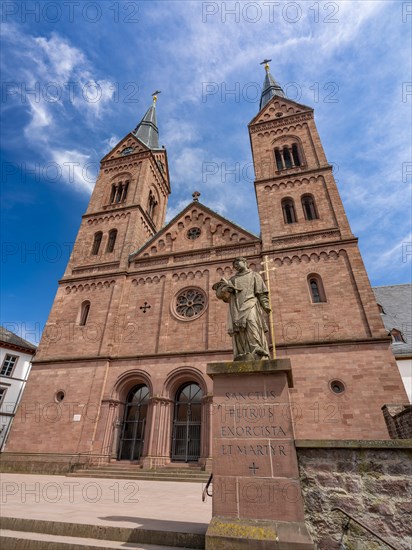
{"x": 154, "y": 95}
{"x": 266, "y": 271}
{"x": 266, "y": 62}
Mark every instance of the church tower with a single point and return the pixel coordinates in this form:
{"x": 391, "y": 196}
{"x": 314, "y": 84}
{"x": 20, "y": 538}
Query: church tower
{"x": 325, "y": 313}
{"x": 127, "y": 207}
{"x": 128, "y": 204}
{"x": 305, "y": 229}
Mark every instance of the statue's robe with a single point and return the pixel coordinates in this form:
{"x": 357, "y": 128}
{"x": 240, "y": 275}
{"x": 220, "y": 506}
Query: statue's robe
{"x": 246, "y": 324}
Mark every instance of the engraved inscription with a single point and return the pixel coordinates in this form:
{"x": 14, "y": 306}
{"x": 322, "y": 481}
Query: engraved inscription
{"x": 253, "y": 431}
{"x": 254, "y": 450}
{"x": 252, "y": 396}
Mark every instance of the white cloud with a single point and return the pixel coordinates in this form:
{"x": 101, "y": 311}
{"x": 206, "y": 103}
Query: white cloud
{"x": 174, "y": 210}
{"x": 53, "y": 77}
{"x": 76, "y": 169}
{"x": 60, "y": 60}
{"x": 41, "y": 118}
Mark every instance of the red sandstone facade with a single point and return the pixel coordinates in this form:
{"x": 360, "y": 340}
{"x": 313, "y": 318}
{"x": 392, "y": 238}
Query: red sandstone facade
{"x": 124, "y": 345}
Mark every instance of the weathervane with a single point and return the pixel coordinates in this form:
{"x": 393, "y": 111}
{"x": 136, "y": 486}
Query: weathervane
{"x": 154, "y": 95}
{"x": 266, "y": 62}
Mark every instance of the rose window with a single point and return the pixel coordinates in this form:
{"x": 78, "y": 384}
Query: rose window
{"x": 190, "y": 303}
{"x": 193, "y": 233}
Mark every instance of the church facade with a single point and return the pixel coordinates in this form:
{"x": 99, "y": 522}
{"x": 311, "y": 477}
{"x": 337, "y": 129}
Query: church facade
{"x": 121, "y": 368}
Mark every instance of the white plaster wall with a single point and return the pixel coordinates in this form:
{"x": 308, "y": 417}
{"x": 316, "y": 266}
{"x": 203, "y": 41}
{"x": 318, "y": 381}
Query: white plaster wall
{"x": 405, "y": 368}
{"x": 14, "y": 385}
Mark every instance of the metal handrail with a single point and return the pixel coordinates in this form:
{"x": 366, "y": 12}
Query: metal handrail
{"x": 351, "y": 518}
{"x": 205, "y": 490}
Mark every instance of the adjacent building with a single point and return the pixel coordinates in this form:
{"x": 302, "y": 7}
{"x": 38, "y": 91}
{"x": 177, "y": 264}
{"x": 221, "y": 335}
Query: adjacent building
{"x": 395, "y": 305}
{"x": 16, "y": 356}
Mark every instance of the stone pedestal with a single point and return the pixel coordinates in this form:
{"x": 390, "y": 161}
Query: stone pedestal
{"x": 257, "y": 498}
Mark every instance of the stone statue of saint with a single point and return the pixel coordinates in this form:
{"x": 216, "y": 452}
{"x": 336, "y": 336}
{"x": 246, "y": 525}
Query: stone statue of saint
{"x": 247, "y": 295}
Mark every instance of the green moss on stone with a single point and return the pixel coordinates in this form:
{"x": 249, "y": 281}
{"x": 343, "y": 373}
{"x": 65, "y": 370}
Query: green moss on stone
{"x": 242, "y": 530}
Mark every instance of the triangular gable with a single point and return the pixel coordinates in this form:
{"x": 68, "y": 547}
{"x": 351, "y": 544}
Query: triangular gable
{"x": 279, "y": 107}
{"x": 196, "y": 227}
{"x": 125, "y": 145}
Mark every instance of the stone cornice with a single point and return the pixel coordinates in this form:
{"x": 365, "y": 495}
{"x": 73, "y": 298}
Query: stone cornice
{"x": 114, "y": 402}
{"x": 332, "y": 233}
{"x": 99, "y": 276}
{"x": 326, "y": 245}
{"x": 202, "y": 353}
{"x": 210, "y": 254}
{"x": 160, "y": 399}
{"x": 126, "y": 159}
{"x": 281, "y": 121}
{"x": 289, "y": 174}
{"x": 160, "y": 264}
{"x": 99, "y": 266}
{"x": 14, "y": 347}
{"x": 353, "y": 443}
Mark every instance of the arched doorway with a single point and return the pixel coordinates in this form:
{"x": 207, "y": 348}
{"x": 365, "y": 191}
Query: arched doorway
{"x": 187, "y": 423}
{"x": 134, "y": 423}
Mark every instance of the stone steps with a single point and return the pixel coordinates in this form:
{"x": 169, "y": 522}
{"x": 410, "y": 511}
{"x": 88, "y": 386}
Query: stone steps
{"x": 28, "y": 534}
{"x": 12, "y": 540}
{"x": 128, "y": 472}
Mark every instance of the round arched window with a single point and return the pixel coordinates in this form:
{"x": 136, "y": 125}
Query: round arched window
{"x": 189, "y": 304}
{"x": 187, "y": 423}
{"x": 59, "y": 396}
{"x": 337, "y": 386}
{"x": 194, "y": 233}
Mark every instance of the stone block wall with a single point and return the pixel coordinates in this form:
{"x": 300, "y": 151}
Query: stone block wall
{"x": 398, "y": 419}
{"x": 372, "y": 481}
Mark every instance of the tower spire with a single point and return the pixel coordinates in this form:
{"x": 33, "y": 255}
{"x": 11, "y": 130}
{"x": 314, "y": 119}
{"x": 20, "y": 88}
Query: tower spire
{"x": 270, "y": 86}
{"x": 146, "y": 131}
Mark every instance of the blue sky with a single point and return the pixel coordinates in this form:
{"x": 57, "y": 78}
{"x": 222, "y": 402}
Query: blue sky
{"x": 78, "y": 76}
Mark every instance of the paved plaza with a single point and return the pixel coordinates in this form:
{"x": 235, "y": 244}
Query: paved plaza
{"x": 121, "y": 503}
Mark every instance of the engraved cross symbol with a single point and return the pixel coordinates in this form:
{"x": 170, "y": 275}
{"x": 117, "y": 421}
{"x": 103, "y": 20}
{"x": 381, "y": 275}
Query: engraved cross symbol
{"x": 145, "y": 307}
{"x": 254, "y": 468}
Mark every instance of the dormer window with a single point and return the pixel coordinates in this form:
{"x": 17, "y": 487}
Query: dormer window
{"x": 397, "y": 336}
{"x": 381, "y": 310}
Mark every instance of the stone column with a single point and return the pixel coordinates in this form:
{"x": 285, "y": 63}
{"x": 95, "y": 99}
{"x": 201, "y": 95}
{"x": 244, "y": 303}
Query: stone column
{"x": 158, "y": 448}
{"x": 110, "y": 433}
{"x": 292, "y": 160}
{"x": 257, "y": 499}
{"x": 282, "y": 160}
{"x": 206, "y": 435}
